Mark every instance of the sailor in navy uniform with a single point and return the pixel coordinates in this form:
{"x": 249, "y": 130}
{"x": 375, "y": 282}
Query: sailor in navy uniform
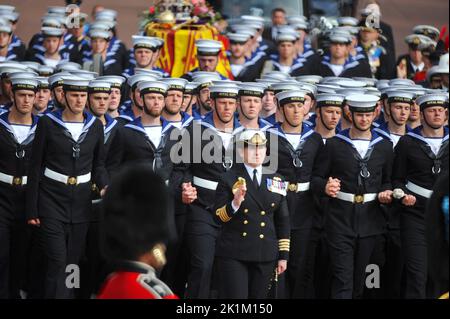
{"x": 250, "y": 105}
{"x": 16, "y": 48}
{"x": 116, "y": 82}
{"x": 134, "y": 107}
{"x": 328, "y": 114}
{"x": 199, "y": 174}
{"x": 207, "y": 56}
{"x": 98, "y": 100}
{"x": 9, "y": 50}
{"x": 203, "y": 100}
{"x": 100, "y": 44}
{"x": 269, "y": 110}
{"x": 56, "y": 82}
{"x": 298, "y": 147}
{"x": 354, "y": 171}
{"x": 254, "y": 240}
{"x": 243, "y": 69}
{"x": 189, "y": 97}
{"x": 421, "y": 156}
{"x": 17, "y": 129}
{"x": 398, "y": 107}
{"x": 257, "y": 23}
{"x": 143, "y": 55}
{"x": 286, "y": 60}
{"x": 52, "y": 52}
{"x": 67, "y": 157}
{"x": 338, "y": 62}
{"x": 173, "y": 102}
{"x": 43, "y": 96}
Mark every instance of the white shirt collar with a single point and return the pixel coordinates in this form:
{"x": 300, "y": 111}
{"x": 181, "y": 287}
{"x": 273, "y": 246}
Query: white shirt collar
{"x": 258, "y": 172}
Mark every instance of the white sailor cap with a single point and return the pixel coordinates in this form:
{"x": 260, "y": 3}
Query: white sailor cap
{"x": 99, "y": 86}
{"x": 5, "y": 26}
{"x": 115, "y": 81}
{"x": 252, "y": 19}
{"x": 57, "y": 79}
{"x": 251, "y": 89}
{"x": 443, "y": 66}
{"x": 155, "y": 73}
{"x": 23, "y": 74}
{"x": 310, "y": 88}
{"x": 176, "y": 83}
{"x": 427, "y": 30}
{"x": 10, "y": 16}
{"x": 238, "y": 37}
{"x": 290, "y": 96}
{"x": 51, "y": 21}
{"x": 244, "y": 29}
{"x": 347, "y": 21}
{"x": 326, "y": 88}
{"x": 134, "y": 80}
{"x": 296, "y": 19}
{"x": 329, "y": 99}
{"x": 101, "y": 25}
{"x": 400, "y": 82}
{"x": 153, "y": 87}
{"x": 362, "y": 102}
{"x": 97, "y": 33}
{"x": 57, "y": 10}
{"x": 313, "y": 79}
{"x": 253, "y": 24}
{"x": 7, "y": 8}
{"x": 24, "y": 83}
{"x": 84, "y": 74}
{"x": 349, "y": 83}
{"x": 43, "y": 82}
{"x": 350, "y": 91}
{"x": 224, "y": 91}
{"x": 353, "y": 31}
{"x": 285, "y": 86}
{"x": 300, "y": 25}
{"x": 205, "y": 79}
{"x": 277, "y": 75}
{"x": 68, "y": 66}
{"x": 432, "y": 99}
{"x": 45, "y": 70}
{"x": 52, "y": 32}
{"x": 340, "y": 36}
{"x": 144, "y": 42}
{"x": 76, "y": 84}
{"x": 373, "y": 91}
{"x": 400, "y": 96}
{"x": 208, "y": 47}
{"x": 252, "y": 137}
{"x": 191, "y": 88}
{"x": 367, "y": 81}
{"x": 107, "y": 14}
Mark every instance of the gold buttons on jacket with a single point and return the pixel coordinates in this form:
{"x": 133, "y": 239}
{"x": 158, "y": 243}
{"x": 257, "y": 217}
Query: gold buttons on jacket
{"x": 263, "y": 213}
{"x": 261, "y": 236}
{"x": 244, "y": 234}
{"x": 245, "y": 222}
{"x": 263, "y": 224}
{"x": 246, "y": 210}
{"x": 273, "y": 204}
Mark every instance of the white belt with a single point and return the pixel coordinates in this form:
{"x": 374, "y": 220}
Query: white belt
{"x": 13, "y": 180}
{"x": 69, "y": 180}
{"x": 205, "y": 183}
{"x": 419, "y": 190}
{"x": 298, "y": 187}
{"x": 357, "y": 199}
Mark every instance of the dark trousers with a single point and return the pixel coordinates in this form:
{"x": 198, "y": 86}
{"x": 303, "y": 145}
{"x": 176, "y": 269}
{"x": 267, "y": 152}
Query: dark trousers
{"x": 243, "y": 280}
{"x": 349, "y": 258}
{"x": 14, "y": 236}
{"x": 201, "y": 239}
{"x": 413, "y": 241}
{"x": 300, "y": 272}
{"x": 64, "y": 245}
{"x": 175, "y": 272}
{"x": 322, "y": 269}
{"x": 37, "y": 265}
{"x": 394, "y": 267}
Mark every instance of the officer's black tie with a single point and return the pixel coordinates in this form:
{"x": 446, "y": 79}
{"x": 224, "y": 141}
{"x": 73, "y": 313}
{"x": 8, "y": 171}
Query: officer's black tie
{"x": 255, "y": 178}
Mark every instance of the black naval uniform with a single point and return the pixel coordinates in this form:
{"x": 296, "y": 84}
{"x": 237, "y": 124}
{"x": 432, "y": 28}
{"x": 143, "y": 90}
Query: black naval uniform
{"x": 352, "y": 227}
{"x": 14, "y": 167}
{"x": 254, "y": 237}
{"x": 64, "y": 208}
{"x": 201, "y": 228}
{"x": 352, "y": 68}
{"x": 296, "y": 165}
{"x": 416, "y": 165}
